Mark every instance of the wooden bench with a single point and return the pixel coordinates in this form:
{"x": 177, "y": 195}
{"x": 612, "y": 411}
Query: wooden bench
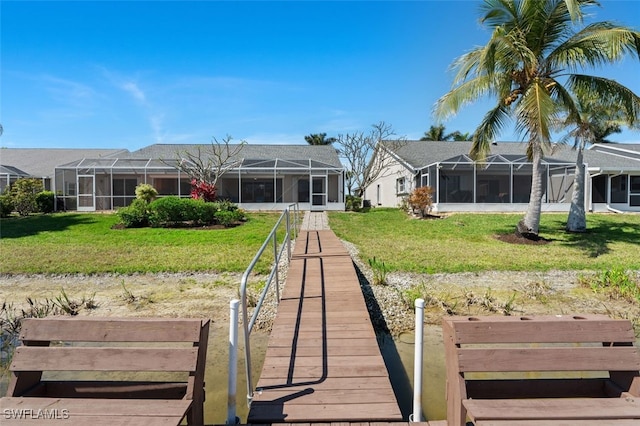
{"x": 108, "y": 371}
{"x": 541, "y": 370}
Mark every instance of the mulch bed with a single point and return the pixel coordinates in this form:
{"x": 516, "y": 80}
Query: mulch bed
{"x": 515, "y": 239}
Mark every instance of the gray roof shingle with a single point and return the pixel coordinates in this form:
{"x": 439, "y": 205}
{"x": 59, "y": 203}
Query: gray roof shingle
{"x": 419, "y": 154}
{"x": 253, "y": 152}
{"x": 41, "y": 162}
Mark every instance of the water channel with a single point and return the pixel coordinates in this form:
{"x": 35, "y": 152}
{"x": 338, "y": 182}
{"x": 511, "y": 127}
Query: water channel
{"x": 397, "y": 353}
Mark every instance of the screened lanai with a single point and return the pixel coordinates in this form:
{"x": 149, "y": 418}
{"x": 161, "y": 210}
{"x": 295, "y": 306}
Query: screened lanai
{"x": 501, "y": 178}
{"x": 258, "y": 184}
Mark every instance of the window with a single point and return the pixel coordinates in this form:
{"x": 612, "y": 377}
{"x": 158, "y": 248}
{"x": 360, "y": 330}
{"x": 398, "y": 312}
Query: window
{"x": 400, "y": 186}
{"x": 635, "y": 184}
{"x": 619, "y": 192}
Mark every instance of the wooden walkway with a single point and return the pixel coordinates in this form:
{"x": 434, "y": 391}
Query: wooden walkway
{"x": 322, "y": 362}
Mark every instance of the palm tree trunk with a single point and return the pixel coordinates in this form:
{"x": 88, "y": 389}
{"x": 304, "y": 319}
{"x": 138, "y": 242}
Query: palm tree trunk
{"x": 529, "y": 225}
{"x": 577, "y": 220}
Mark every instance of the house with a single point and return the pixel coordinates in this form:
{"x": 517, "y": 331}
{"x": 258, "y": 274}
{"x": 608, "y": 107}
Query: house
{"x": 503, "y": 181}
{"x": 265, "y": 177}
{"x": 40, "y": 163}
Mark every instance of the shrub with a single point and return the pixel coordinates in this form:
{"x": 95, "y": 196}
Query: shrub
{"x": 353, "y": 203}
{"x": 421, "y": 199}
{"x": 45, "y": 201}
{"x": 23, "y": 193}
{"x": 135, "y": 215}
{"x": 228, "y": 218}
{"x": 165, "y": 210}
{"x": 201, "y": 190}
{"x": 226, "y": 205}
{"x": 146, "y": 192}
{"x": 6, "y": 205}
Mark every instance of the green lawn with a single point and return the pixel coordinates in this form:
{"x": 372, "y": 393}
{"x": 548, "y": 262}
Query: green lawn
{"x": 86, "y": 243}
{"x": 467, "y": 243}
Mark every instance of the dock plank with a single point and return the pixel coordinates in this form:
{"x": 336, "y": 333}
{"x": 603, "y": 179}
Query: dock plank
{"x": 322, "y": 362}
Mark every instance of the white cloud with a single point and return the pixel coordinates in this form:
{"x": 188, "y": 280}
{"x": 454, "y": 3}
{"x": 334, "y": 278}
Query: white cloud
{"x": 134, "y": 90}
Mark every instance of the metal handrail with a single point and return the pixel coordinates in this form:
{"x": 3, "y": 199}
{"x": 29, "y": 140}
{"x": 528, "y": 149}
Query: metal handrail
{"x": 247, "y": 324}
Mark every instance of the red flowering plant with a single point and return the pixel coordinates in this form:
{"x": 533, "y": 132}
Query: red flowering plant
{"x": 202, "y": 190}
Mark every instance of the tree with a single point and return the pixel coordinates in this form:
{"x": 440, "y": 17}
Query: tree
{"x": 358, "y": 151}
{"x": 462, "y": 137}
{"x": 24, "y": 193}
{"x": 206, "y": 165}
{"x": 436, "y": 133}
{"x": 597, "y": 119}
{"x": 531, "y": 65}
{"x": 319, "y": 139}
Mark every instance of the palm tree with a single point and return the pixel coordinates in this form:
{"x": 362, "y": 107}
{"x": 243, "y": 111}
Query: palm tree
{"x": 436, "y": 133}
{"x": 461, "y": 137}
{"x": 597, "y": 119}
{"x": 531, "y": 64}
{"x": 319, "y": 139}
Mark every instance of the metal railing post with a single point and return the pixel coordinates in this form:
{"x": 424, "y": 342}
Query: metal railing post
{"x": 233, "y": 362}
{"x": 276, "y": 265}
{"x": 288, "y": 235}
{"x": 247, "y": 324}
{"x": 417, "y": 362}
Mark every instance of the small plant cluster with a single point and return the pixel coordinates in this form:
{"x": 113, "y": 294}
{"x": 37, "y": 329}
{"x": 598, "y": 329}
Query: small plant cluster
{"x": 11, "y": 318}
{"x": 380, "y": 271}
{"x": 466, "y": 304}
{"x": 26, "y": 196}
{"x": 201, "y": 190}
{"x": 353, "y": 203}
{"x": 617, "y": 283}
{"x": 174, "y": 211}
{"x": 421, "y": 200}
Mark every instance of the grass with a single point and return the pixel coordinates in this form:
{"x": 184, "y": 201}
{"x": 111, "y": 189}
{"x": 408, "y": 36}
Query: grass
{"x": 467, "y": 243}
{"x": 70, "y": 243}
{"x": 86, "y": 243}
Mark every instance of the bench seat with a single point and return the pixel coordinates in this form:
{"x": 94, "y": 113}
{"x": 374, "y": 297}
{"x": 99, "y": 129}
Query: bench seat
{"x": 123, "y": 370}
{"x": 541, "y": 370}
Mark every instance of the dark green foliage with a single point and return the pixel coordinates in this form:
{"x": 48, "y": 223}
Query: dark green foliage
{"x": 353, "y": 203}
{"x": 135, "y": 215}
{"x": 45, "y": 201}
{"x": 179, "y": 212}
{"x": 23, "y": 193}
{"x": 165, "y": 210}
{"x": 228, "y": 218}
{"x": 6, "y": 205}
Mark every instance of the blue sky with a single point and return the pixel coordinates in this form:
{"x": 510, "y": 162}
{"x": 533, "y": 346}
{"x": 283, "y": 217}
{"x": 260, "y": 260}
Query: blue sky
{"x": 116, "y": 74}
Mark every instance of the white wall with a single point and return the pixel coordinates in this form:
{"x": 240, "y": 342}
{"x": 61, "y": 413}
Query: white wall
{"x": 387, "y": 182}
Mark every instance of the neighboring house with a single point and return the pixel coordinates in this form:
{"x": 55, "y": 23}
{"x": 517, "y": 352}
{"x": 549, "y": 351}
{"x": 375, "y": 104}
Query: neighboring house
{"x": 267, "y": 177}
{"x": 503, "y": 181}
{"x": 40, "y": 163}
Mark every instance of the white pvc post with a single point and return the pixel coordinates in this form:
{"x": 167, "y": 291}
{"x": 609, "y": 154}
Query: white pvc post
{"x": 417, "y": 362}
{"x": 233, "y": 361}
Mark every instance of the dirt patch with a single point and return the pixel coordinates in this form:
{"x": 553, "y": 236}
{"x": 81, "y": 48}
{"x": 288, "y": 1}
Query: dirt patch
{"x": 516, "y": 239}
{"x": 145, "y": 295}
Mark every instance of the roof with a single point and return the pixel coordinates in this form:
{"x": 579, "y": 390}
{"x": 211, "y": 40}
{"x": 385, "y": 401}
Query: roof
{"x": 420, "y": 154}
{"x": 251, "y": 153}
{"x": 41, "y": 162}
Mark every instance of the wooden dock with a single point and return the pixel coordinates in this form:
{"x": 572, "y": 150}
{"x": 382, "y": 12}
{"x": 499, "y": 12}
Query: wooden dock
{"x": 322, "y": 362}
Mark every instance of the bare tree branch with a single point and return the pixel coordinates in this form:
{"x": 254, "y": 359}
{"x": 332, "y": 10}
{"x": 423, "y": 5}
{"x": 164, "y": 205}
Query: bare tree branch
{"x": 208, "y": 164}
{"x": 365, "y": 157}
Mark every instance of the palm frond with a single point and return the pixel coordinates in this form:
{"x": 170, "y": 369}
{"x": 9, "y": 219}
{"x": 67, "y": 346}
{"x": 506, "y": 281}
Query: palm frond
{"x": 610, "y": 94}
{"x": 492, "y": 123}
{"x": 464, "y": 94}
{"x": 536, "y": 114}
